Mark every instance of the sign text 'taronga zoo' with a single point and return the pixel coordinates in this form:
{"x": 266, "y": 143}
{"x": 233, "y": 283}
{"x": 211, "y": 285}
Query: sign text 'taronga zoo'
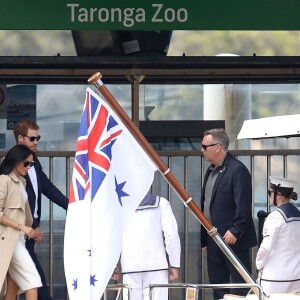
{"x": 127, "y": 17}
{"x": 150, "y": 15}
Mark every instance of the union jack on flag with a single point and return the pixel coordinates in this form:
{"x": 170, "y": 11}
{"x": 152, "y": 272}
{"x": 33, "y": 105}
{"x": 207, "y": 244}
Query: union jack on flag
{"x": 111, "y": 176}
{"x": 97, "y": 134}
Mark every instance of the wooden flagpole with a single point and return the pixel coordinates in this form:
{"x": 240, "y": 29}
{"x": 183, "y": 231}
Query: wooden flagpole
{"x": 172, "y": 180}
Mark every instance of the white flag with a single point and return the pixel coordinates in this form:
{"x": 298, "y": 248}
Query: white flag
{"x": 111, "y": 176}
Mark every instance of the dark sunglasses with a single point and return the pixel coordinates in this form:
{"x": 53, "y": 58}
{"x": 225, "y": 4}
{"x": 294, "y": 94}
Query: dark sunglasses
{"x": 206, "y": 146}
{"x": 33, "y": 138}
{"x": 27, "y": 163}
{"x": 270, "y": 192}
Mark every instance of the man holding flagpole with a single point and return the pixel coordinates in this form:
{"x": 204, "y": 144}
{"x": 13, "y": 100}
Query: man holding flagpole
{"x": 111, "y": 175}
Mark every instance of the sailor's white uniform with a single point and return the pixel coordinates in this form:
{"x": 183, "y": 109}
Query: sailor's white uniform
{"x": 279, "y": 253}
{"x": 151, "y": 234}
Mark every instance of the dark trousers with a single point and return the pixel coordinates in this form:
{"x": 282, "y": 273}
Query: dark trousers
{"x": 221, "y": 270}
{"x": 43, "y": 291}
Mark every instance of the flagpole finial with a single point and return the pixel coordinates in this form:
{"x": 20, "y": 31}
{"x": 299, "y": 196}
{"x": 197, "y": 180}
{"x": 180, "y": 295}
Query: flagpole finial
{"x": 94, "y": 78}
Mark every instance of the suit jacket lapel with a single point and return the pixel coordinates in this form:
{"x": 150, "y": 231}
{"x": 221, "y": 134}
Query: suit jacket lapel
{"x": 220, "y": 175}
{"x": 28, "y": 181}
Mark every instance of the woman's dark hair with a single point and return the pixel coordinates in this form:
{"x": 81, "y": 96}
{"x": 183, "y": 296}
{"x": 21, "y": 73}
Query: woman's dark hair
{"x": 16, "y": 154}
{"x": 285, "y": 192}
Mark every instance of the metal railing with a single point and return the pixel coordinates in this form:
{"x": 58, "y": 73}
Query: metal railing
{"x": 198, "y": 287}
{"x": 119, "y": 288}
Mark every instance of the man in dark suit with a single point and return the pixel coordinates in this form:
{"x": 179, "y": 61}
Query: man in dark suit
{"x": 227, "y": 201}
{"x": 26, "y": 133}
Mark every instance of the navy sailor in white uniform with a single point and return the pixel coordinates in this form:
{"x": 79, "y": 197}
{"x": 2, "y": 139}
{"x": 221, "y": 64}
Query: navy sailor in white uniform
{"x": 151, "y": 249}
{"x": 278, "y": 258}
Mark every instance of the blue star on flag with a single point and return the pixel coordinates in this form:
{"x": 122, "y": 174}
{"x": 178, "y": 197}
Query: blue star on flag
{"x": 75, "y": 284}
{"x": 93, "y": 280}
{"x": 119, "y": 190}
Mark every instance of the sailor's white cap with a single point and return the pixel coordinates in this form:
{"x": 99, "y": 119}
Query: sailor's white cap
{"x": 282, "y": 182}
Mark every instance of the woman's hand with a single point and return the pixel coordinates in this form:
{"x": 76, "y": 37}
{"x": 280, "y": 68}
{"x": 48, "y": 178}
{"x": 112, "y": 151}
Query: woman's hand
{"x": 29, "y": 231}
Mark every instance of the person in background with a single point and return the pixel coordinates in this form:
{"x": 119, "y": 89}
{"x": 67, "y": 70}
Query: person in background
{"x": 151, "y": 235}
{"x": 278, "y": 257}
{"x": 17, "y": 269}
{"x": 26, "y": 133}
{"x": 226, "y": 201}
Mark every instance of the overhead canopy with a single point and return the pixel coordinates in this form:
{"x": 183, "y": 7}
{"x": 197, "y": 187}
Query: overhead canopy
{"x": 271, "y": 127}
{"x": 121, "y": 42}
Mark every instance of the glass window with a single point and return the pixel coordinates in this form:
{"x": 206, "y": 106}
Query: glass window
{"x": 171, "y": 102}
{"x": 57, "y": 110}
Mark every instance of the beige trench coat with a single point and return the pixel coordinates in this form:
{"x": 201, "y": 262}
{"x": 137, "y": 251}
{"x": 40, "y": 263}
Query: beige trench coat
{"x": 12, "y": 206}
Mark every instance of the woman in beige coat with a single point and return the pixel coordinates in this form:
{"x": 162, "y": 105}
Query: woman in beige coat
{"x": 16, "y": 266}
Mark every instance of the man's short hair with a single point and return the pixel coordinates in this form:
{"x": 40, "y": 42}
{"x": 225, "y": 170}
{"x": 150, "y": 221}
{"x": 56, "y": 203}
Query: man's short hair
{"x": 21, "y": 128}
{"x": 219, "y": 135}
